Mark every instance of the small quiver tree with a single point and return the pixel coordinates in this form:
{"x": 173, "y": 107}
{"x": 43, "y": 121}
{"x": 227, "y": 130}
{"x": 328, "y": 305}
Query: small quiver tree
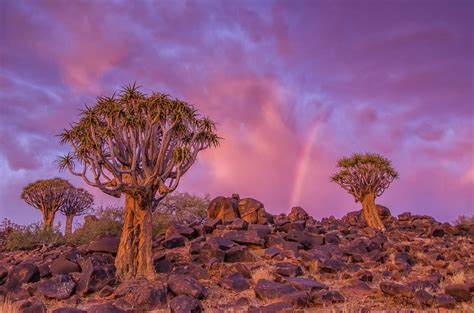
{"x": 46, "y": 195}
{"x": 365, "y": 177}
{"x": 77, "y": 201}
{"x": 138, "y": 145}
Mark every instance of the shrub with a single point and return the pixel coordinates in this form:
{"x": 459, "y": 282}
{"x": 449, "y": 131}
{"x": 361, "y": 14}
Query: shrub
{"x": 184, "y": 207}
{"x": 108, "y": 223}
{"x": 30, "y": 236}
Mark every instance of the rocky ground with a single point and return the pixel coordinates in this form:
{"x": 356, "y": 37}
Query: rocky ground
{"x": 259, "y": 263}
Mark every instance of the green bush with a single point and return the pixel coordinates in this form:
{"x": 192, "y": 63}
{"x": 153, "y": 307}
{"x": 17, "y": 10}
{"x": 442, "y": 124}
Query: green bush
{"x": 108, "y": 223}
{"x": 30, "y": 236}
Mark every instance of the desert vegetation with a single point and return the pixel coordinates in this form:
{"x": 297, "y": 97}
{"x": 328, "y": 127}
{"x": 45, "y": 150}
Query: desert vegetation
{"x": 365, "y": 177}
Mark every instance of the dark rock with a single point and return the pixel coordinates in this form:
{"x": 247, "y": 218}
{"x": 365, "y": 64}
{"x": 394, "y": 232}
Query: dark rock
{"x": 210, "y": 224}
{"x": 307, "y": 240}
{"x": 174, "y": 241}
{"x": 252, "y": 211}
{"x": 239, "y": 254}
{"x": 298, "y": 214}
{"x": 31, "y": 305}
{"x": 94, "y": 277}
{"x": 272, "y": 252}
{"x": 331, "y": 266}
{"x": 404, "y": 217}
{"x": 288, "y": 269}
{"x": 332, "y": 238}
{"x": 366, "y": 276}
{"x": 235, "y": 281}
{"x": 58, "y": 287}
{"x": 250, "y": 238}
{"x": 268, "y": 291}
{"x": 106, "y": 245}
{"x": 460, "y": 292}
{"x": 238, "y": 224}
{"x": 262, "y": 230}
{"x": 185, "y": 285}
{"x": 332, "y": 296}
{"x": 107, "y": 307}
{"x": 63, "y": 266}
{"x": 305, "y": 284}
{"x": 224, "y": 209}
{"x": 185, "y": 304}
{"x": 163, "y": 266}
{"x": 394, "y": 289}
{"x": 68, "y": 310}
{"x": 175, "y": 228}
{"x": 444, "y": 301}
{"x": 24, "y": 273}
{"x": 3, "y": 274}
{"x": 438, "y": 232}
{"x": 423, "y": 299}
{"x": 280, "y": 307}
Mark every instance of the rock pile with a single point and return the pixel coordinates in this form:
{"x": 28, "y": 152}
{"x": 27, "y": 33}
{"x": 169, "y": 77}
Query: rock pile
{"x": 242, "y": 259}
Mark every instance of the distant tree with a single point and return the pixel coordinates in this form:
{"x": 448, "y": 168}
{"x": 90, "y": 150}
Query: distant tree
{"x": 77, "y": 201}
{"x": 46, "y": 195}
{"x": 138, "y": 145}
{"x": 366, "y": 176}
{"x": 185, "y": 207}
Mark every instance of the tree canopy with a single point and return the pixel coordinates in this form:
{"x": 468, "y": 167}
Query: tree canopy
{"x": 361, "y": 174}
{"x": 135, "y": 143}
{"x": 77, "y": 201}
{"x": 46, "y": 194}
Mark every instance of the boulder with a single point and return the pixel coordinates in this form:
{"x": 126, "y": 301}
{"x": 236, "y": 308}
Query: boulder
{"x": 58, "y": 287}
{"x": 184, "y": 285}
{"x": 107, "y": 307}
{"x": 63, "y": 266}
{"x": 210, "y": 224}
{"x": 142, "y": 294}
{"x": 106, "y": 245}
{"x": 236, "y": 282}
{"x": 174, "y": 241}
{"x": 305, "y": 284}
{"x": 224, "y": 209}
{"x": 31, "y": 305}
{"x": 269, "y": 291}
{"x": 280, "y": 307}
{"x": 68, "y": 310}
{"x": 444, "y": 301}
{"x": 185, "y": 304}
{"x": 288, "y": 269}
{"x": 422, "y": 299}
{"x": 332, "y": 296}
{"x": 238, "y": 224}
{"x": 394, "y": 289}
{"x": 460, "y": 292}
{"x": 252, "y": 211}
{"x": 239, "y": 254}
{"x": 298, "y": 214}
{"x": 94, "y": 277}
{"x": 180, "y": 229}
{"x": 243, "y": 237}
{"x": 24, "y": 273}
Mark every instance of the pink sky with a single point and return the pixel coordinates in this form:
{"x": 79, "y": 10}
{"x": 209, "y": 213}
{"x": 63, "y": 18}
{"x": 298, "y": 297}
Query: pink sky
{"x": 294, "y": 85}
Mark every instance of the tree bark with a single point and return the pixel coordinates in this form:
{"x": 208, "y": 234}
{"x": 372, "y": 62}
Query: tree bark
{"x": 135, "y": 255}
{"x": 370, "y": 212}
{"x": 48, "y": 218}
{"x": 68, "y": 229}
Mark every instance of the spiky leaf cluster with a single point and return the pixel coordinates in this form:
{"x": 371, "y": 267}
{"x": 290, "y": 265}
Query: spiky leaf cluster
{"x": 46, "y": 194}
{"x": 362, "y": 174}
{"x": 77, "y": 201}
{"x": 136, "y": 143}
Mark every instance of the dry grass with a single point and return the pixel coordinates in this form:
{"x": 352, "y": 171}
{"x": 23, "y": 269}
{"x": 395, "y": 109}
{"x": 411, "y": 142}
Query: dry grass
{"x": 458, "y": 278}
{"x": 6, "y": 306}
{"x": 263, "y": 272}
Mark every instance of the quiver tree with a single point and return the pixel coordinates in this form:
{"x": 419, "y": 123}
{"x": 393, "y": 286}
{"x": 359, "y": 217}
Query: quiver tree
{"x": 365, "y": 177}
{"x": 138, "y": 145}
{"x": 46, "y": 195}
{"x": 77, "y": 201}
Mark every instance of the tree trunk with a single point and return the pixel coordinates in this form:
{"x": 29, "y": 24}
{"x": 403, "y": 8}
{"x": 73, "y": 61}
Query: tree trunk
{"x": 135, "y": 255}
{"x": 68, "y": 229}
{"x": 48, "y": 219}
{"x": 370, "y": 213}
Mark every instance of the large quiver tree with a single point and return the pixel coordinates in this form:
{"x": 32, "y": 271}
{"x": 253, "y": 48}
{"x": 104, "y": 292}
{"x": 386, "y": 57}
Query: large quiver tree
{"x": 139, "y": 145}
{"x": 77, "y": 201}
{"x": 365, "y": 177}
{"x": 46, "y": 195}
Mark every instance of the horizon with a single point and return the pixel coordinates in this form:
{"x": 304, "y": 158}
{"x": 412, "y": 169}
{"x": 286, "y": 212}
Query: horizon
{"x": 292, "y": 86}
